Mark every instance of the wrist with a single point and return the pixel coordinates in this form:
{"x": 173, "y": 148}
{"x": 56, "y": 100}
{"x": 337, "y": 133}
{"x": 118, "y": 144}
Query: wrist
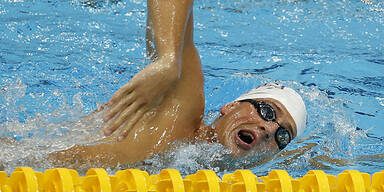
{"x": 171, "y": 64}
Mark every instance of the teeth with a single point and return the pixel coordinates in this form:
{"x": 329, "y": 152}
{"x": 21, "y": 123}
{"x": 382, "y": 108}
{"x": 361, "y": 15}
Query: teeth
{"x": 248, "y": 135}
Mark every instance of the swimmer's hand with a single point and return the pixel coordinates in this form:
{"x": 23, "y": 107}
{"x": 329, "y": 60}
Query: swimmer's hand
{"x": 145, "y": 91}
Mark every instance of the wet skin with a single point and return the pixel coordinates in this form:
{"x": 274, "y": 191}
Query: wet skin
{"x": 241, "y": 129}
{"x": 154, "y": 109}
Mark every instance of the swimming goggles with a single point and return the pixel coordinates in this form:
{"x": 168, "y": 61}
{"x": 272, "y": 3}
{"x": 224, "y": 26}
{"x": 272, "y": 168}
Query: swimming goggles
{"x": 266, "y": 112}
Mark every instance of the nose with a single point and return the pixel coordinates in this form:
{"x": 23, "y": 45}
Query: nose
{"x": 266, "y": 129}
{"x": 259, "y": 129}
{"x": 249, "y": 139}
{"x": 255, "y": 133}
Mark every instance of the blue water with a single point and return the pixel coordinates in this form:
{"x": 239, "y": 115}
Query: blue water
{"x": 61, "y": 60}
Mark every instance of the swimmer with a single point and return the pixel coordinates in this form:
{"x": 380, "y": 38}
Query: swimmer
{"x": 164, "y": 102}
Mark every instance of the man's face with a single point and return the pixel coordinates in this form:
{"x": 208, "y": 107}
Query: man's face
{"x": 243, "y": 130}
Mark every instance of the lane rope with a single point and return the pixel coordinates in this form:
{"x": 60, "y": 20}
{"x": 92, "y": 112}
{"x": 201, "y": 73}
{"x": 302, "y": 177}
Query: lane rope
{"x": 25, "y": 179}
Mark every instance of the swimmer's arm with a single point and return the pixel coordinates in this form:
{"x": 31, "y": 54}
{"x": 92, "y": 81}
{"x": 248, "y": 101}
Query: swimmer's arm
{"x": 104, "y": 153}
{"x": 167, "y": 20}
{"x": 84, "y": 157}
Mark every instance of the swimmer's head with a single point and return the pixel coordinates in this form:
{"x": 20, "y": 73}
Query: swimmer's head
{"x": 265, "y": 119}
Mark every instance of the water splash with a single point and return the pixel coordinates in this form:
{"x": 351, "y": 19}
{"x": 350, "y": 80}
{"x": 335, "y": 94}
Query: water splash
{"x": 32, "y": 139}
{"x": 313, "y": 42}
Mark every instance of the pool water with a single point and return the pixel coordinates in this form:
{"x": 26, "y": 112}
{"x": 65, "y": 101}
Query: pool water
{"x": 61, "y": 60}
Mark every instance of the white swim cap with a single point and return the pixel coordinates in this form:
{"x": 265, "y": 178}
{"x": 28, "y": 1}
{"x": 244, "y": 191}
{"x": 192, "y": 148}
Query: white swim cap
{"x": 291, "y": 100}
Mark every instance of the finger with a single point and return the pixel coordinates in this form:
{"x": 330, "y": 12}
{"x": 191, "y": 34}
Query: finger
{"x": 126, "y": 101}
{"x": 131, "y": 123}
{"x": 121, "y": 119}
{"x": 126, "y": 89}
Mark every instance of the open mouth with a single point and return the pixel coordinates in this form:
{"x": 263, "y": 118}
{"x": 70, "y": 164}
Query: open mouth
{"x": 245, "y": 139}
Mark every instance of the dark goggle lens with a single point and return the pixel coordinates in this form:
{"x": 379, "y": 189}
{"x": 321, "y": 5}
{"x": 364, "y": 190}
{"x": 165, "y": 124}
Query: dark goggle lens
{"x": 282, "y": 137}
{"x": 267, "y": 112}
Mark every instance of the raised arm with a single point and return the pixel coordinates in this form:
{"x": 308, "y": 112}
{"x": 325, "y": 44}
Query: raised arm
{"x": 167, "y": 23}
{"x": 171, "y": 87}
